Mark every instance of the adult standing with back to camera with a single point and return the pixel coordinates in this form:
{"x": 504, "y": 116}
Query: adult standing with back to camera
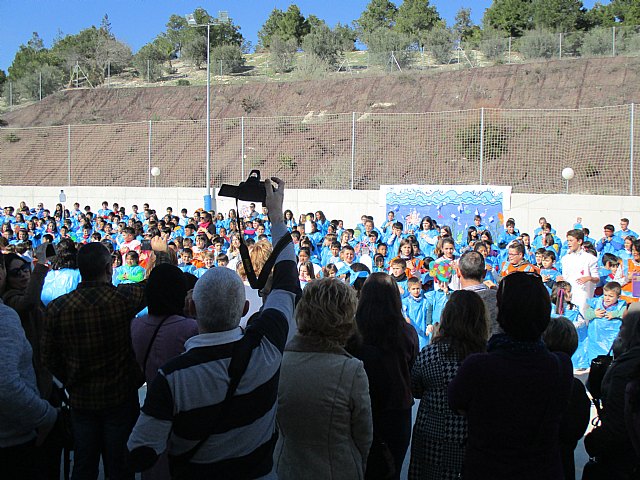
{"x": 388, "y": 346}
{"x": 514, "y": 395}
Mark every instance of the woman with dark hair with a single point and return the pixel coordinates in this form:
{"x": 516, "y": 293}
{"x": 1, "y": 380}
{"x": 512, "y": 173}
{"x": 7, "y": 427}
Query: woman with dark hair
{"x": 321, "y": 221}
{"x": 610, "y": 443}
{"x": 388, "y": 346}
{"x": 439, "y": 434}
{"x": 64, "y": 275}
{"x": 290, "y": 220}
{"x": 514, "y": 396}
{"x": 22, "y": 293}
{"x": 427, "y": 235}
{"x": 561, "y": 336}
{"x": 23, "y": 288}
{"x": 472, "y": 237}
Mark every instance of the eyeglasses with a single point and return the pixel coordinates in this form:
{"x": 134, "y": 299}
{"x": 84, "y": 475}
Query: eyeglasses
{"x": 16, "y": 271}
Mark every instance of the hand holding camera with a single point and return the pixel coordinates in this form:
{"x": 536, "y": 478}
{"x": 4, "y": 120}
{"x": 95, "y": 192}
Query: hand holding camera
{"x": 274, "y": 198}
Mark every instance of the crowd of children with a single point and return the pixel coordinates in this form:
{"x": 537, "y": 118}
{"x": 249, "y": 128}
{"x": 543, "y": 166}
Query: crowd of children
{"x": 421, "y": 258}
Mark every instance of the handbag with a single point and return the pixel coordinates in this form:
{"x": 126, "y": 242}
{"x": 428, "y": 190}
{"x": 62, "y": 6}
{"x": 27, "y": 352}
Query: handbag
{"x": 380, "y": 463}
{"x": 597, "y": 371}
{"x": 594, "y": 470}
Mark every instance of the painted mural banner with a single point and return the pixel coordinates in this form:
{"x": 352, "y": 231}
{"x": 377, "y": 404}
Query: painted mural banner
{"x": 451, "y": 205}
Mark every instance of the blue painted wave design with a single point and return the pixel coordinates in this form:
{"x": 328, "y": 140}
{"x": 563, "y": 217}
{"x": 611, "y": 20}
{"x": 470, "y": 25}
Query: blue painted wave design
{"x": 422, "y": 198}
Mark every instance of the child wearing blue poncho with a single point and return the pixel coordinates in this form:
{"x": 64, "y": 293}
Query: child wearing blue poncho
{"x": 441, "y": 271}
{"x": 561, "y": 306}
{"x": 549, "y": 272}
{"x": 131, "y": 272}
{"x": 414, "y": 308}
{"x": 604, "y": 315}
{"x": 186, "y": 257}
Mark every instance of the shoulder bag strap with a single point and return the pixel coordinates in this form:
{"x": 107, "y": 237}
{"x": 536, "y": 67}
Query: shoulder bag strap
{"x": 153, "y": 338}
{"x": 237, "y": 366}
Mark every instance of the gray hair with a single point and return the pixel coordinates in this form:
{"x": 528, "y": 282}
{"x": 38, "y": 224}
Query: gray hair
{"x": 219, "y": 298}
{"x": 471, "y": 266}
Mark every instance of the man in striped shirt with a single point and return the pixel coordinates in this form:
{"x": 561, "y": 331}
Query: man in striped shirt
{"x": 184, "y": 404}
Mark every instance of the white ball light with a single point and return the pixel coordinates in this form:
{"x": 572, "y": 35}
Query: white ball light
{"x": 155, "y": 171}
{"x": 568, "y": 173}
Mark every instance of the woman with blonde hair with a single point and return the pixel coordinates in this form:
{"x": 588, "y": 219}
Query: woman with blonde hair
{"x": 324, "y": 411}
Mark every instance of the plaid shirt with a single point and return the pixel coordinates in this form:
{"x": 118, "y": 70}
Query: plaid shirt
{"x": 86, "y": 343}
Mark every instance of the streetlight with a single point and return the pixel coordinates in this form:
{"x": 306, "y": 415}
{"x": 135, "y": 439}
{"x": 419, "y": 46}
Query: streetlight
{"x": 568, "y": 174}
{"x": 209, "y": 201}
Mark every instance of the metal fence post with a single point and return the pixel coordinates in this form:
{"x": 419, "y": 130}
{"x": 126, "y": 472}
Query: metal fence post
{"x": 353, "y": 147}
{"x": 613, "y": 42}
{"x": 149, "y": 156}
{"x": 242, "y": 143}
{"x": 632, "y": 145}
{"x": 481, "y": 143}
{"x": 109, "y": 74}
{"x": 10, "y": 95}
{"x": 148, "y": 70}
{"x": 69, "y": 155}
{"x": 40, "y": 84}
{"x": 509, "y": 57}
{"x": 560, "y": 50}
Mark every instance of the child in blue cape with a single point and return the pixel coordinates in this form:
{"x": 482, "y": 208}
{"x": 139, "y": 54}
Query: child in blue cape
{"x": 548, "y": 271}
{"x": 561, "y": 306}
{"x": 441, "y": 271}
{"x": 605, "y": 317}
{"x": 399, "y": 273}
{"x": 116, "y": 263}
{"x": 379, "y": 264}
{"x": 414, "y": 308}
{"x": 186, "y": 257}
{"x": 209, "y": 261}
{"x": 131, "y": 272}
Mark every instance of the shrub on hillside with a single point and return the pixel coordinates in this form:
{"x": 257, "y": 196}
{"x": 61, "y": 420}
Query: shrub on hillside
{"x": 599, "y": 41}
{"x": 440, "y": 42}
{"x": 227, "y": 59}
{"x": 323, "y": 44}
{"x": 382, "y": 42}
{"x": 538, "y": 44}
{"x": 493, "y": 45}
{"x": 282, "y": 54}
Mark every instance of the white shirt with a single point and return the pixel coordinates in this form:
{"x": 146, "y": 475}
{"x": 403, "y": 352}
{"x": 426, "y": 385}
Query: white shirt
{"x": 577, "y": 265}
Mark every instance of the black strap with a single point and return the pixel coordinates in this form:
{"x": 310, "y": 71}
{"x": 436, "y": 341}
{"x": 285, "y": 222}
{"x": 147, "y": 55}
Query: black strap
{"x": 258, "y": 283}
{"x": 240, "y": 358}
{"x": 153, "y": 338}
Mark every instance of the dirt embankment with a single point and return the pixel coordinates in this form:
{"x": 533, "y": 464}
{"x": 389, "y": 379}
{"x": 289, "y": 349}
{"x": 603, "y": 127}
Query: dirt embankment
{"x": 556, "y": 84}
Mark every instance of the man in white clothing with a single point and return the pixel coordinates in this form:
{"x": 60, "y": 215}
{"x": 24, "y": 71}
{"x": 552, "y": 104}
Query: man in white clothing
{"x": 580, "y": 269}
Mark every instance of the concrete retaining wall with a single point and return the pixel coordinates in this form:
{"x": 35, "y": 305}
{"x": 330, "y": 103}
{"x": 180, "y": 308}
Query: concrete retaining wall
{"x": 349, "y": 205}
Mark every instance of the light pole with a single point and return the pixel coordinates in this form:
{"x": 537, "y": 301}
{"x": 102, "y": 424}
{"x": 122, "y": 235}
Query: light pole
{"x": 209, "y": 201}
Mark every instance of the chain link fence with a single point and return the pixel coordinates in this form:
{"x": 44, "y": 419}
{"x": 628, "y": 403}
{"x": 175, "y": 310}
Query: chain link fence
{"x": 526, "y": 149}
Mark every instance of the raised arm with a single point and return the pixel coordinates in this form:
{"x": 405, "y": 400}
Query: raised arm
{"x": 285, "y": 286}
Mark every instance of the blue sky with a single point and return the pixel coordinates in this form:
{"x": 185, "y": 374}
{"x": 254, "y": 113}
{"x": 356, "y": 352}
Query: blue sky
{"x": 137, "y": 22}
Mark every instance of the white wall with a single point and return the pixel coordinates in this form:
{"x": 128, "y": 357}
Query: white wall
{"x": 560, "y": 210}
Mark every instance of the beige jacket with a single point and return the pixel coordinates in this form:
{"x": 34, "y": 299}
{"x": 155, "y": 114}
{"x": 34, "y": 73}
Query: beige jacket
{"x": 324, "y": 413}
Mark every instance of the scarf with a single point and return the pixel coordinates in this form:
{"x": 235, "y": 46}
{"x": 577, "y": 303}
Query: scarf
{"x": 501, "y": 342}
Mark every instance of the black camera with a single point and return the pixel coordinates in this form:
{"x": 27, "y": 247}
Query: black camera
{"x": 251, "y": 190}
